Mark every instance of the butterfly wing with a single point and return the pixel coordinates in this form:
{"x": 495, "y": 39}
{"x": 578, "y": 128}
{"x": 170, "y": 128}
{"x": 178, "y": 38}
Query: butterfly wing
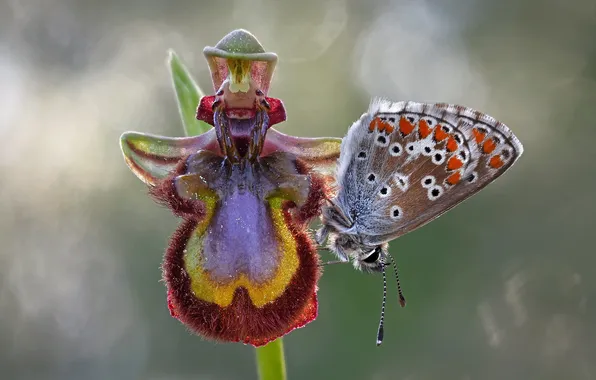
{"x": 404, "y": 164}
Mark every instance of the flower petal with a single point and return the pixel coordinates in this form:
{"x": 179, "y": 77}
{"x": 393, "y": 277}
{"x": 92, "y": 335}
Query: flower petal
{"x": 152, "y": 157}
{"x": 319, "y": 153}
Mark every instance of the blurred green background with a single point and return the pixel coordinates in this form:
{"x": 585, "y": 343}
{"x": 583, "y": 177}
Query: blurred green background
{"x": 501, "y": 287}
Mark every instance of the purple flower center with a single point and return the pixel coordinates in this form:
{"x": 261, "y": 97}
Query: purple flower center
{"x": 241, "y": 239}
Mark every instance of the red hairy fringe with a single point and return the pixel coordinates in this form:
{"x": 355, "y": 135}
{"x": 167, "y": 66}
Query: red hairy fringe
{"x": 320, "y": 190}
{"x": 241, "y": 321}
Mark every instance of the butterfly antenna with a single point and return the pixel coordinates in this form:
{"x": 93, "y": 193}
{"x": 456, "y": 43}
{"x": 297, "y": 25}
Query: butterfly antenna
{"x": 380, "y": 332}
{"x": 402, "y": 299}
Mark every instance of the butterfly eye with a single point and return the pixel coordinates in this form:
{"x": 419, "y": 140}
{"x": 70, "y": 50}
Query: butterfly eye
{"x": 428, "y": 181}
{"x": 435, "y": 192}
{"x": 395, "y": 149}
{"x": 373, "y": 256}
{"x": 385, "y": 191}
{"x": 395, "y": 212}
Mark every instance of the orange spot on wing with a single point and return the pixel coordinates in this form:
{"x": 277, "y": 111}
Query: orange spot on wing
{"x": 385, "y": 126}
{"x": 454, "y": 163}
{"x": 479, "y": 136}
{"x": 423, "y": 128}
{"x": 496, "y": 162}
{"x": 489, "y": 146}
{"x": 405, "y": 126}
{"x": 440, "y": 134}
{"x": 451, "y": 144}
{"x": 381, "y": 125}
{"x": 374, "y": 124}
{"x": 454, "y": 178}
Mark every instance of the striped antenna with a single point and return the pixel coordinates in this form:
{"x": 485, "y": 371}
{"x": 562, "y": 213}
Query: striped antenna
{"x": 380, "y": 331}
{"x": 402, "y": 299}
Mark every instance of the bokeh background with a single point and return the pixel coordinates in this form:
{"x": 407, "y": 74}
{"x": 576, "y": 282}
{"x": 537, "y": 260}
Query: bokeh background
{"x": 502, "y": 287}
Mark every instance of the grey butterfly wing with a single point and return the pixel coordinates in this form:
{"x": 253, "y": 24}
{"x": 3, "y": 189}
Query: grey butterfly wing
{"x": 404, "y": 164}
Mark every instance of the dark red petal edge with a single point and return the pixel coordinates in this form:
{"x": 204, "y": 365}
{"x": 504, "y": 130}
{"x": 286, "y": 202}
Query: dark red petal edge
{"x": 241, "y": 321}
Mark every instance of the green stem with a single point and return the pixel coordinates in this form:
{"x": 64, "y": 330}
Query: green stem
{"x": 271, "y": 363}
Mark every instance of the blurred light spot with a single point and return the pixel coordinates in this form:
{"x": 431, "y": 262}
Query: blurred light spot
{"x": 67, "y": 134}
{"x": 487, "y": 318}
{"x": 413, "y": 52}
{"x": 302, "y": 36}
{"x": 559, "y": 335}
{"x": 572, "y": 281}
{"x": 583, "y": 304}
{"x": 513, "y": 287}
{"x": 63, "y": 277}
{"x": 11, "y": 91}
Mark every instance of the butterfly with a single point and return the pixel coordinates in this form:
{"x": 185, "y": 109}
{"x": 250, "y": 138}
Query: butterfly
{"x": 402, "y": 165}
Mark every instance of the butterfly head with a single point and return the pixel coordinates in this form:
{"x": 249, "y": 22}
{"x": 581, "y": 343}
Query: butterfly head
{"x": 364, "y": 257}
{"x": 350, "y": 246}
{"x": 343, "y": 239}
{"x": 373, "y": 260}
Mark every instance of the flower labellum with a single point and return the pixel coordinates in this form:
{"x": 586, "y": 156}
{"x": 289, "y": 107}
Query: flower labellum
{"x": 241, "y": 266}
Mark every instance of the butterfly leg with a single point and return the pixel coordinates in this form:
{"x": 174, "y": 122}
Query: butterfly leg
{"x": 321, "y": 237}
{"x": 341, "y": 255}
{"x": 322, "y": 234}
{"x": 332, "y": 262}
